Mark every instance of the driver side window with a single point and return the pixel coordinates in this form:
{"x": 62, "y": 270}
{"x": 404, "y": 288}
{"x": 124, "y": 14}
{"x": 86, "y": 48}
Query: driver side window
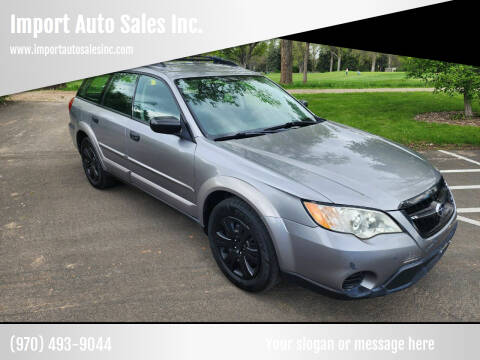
{"x": 153, "y": 98}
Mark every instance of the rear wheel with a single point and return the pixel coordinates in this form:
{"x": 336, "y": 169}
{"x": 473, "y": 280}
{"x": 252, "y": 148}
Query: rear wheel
{"x": 98, "y": 177}
{"x": 241, "y": 246}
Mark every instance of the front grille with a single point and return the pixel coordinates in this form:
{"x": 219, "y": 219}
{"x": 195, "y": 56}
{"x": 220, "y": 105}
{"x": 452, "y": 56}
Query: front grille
{"x": 431, "y": 210}
{"x": 353, "y": 280}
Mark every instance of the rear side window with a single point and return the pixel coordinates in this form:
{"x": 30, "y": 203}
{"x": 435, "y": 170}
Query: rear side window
{"x": 93, "y": 88}
{"x": 153, "y": 99}
{"x": 120, "y": 93}
{"x": 83, "y": 87}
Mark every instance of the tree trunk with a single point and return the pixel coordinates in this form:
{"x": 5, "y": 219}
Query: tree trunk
{"x": 389, "y": 61}
{"x": 374, "y": 61}
{"x": 467, "y": 105}
{"x": 305, "y": 61}
{"x": 248, "y": 54}
{"x": 339, "y": 61}
{"x": 331, "y": 61}
{"x": 286, "y": 62}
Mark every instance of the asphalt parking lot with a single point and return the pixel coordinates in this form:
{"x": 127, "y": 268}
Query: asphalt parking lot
{"x": 69, "y": 252}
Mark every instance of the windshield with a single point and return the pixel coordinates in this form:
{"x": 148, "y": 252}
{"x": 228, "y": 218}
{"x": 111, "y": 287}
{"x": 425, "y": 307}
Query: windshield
{"x": 232, "y": 104}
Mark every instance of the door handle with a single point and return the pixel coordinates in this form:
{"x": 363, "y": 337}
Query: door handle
{"x": 134, "y": 136}
{"x": 95, "y": 120}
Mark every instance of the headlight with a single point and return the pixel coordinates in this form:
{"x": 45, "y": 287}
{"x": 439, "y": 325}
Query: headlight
{"x": 362, "y": 223}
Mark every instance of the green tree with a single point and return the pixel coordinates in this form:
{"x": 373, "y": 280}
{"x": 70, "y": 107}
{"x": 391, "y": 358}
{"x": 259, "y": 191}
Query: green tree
{"x": 316, "y": 52}
{"x": 273, "y": 56}
{"x": 297, "y": 53}
{"x": 448, "y": 78}
{"x": 243, "y": 54}
{"x": 374, "y": 60}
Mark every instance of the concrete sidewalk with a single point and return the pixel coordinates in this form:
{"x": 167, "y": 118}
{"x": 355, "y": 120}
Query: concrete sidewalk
{"x": 344, "y": 91}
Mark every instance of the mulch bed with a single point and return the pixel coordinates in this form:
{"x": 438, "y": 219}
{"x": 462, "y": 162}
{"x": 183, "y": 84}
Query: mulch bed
{"x": 449, "y": 117}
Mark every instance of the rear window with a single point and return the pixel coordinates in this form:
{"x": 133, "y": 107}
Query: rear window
{"x": 93, "y": 88}
{"x": 120, "y": 93}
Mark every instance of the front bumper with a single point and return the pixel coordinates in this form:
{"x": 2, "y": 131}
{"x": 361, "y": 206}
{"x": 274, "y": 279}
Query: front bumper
{"x": 408, "y": 274}
{"x": 325, "y": 259}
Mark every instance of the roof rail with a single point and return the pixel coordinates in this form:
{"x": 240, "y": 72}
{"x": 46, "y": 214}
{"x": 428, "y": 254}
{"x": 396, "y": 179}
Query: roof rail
{"x": 214, "y": 59}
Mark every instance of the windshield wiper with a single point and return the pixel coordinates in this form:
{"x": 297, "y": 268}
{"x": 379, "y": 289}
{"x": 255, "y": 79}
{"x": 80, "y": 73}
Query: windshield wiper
{"x": 291, "y": 124}
{"x": 270, "y": 130}
{"x": 241, "y": 135}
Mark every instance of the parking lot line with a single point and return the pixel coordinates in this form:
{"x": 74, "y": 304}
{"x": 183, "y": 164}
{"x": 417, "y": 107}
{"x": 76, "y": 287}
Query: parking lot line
{"x": 460, "y": 157}
{"x": 464, "y": 187}
{"x": 467, "y": 220}
{"x": 459, "y": 171}
{"x": 468, "y": 210}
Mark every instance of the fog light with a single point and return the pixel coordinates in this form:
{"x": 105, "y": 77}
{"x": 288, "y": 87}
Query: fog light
{"x": 353, "y": 280}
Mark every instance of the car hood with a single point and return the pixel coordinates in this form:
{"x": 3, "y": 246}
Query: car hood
{"x": 343, "y": 164}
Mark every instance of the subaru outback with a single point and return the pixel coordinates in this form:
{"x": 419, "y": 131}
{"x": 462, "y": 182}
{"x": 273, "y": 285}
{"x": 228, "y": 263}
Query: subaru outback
{"x": 277, "y": 189}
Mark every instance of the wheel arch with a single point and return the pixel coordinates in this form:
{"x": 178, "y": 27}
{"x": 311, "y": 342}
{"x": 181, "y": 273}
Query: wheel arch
{"x": 83, "y": 131}
{"x": 219, "y": 188}
{"x": 79, "y": 138}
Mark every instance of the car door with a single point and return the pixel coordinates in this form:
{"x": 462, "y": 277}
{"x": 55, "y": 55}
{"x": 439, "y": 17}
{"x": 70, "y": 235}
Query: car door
{"x": 161, "y": 164}
{"x": 108, "y": 121}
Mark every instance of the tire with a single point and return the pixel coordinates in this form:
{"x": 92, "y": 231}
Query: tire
{"x": 92, "y": 167}
{"x": 242, "y": 247}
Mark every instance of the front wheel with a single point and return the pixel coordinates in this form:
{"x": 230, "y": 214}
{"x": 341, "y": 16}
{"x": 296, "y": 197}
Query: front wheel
{"x": 241, "y": 246}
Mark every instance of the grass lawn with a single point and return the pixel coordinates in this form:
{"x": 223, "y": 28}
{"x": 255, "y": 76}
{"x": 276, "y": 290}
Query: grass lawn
{"x": 72, "y": 85}
{"x": 333, "y": 80}
{"x": 338, "y": 80}
{"x": 391, "y": 115}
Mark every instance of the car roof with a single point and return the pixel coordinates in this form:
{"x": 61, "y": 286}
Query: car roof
{"x": 187, "y": 69}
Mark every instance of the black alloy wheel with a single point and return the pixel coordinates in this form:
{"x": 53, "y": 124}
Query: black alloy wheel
{"x": 238, "y": 248}
{"x": 96, "y": 175}
{"x": 241, "y": 246}
{"x": 91, "y": 164}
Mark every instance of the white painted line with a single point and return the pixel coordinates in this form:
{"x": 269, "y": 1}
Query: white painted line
{"x": 467, "y": 220}
{"x": 460, "y": 171}
{"x": 460, "y": 157}
{"x": 464, "y": 187}
{"x": 468, "y": 210}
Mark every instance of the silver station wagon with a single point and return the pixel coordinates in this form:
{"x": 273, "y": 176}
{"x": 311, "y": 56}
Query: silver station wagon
{"x": 279, "y": 190}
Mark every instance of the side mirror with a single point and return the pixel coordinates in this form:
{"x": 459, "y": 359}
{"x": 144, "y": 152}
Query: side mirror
{"x": 166, "y": 125}
{"x": 304, "y": 103}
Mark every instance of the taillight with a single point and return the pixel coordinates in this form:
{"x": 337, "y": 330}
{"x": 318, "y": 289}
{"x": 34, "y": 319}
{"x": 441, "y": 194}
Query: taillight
{"x": 70, "y": 104}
